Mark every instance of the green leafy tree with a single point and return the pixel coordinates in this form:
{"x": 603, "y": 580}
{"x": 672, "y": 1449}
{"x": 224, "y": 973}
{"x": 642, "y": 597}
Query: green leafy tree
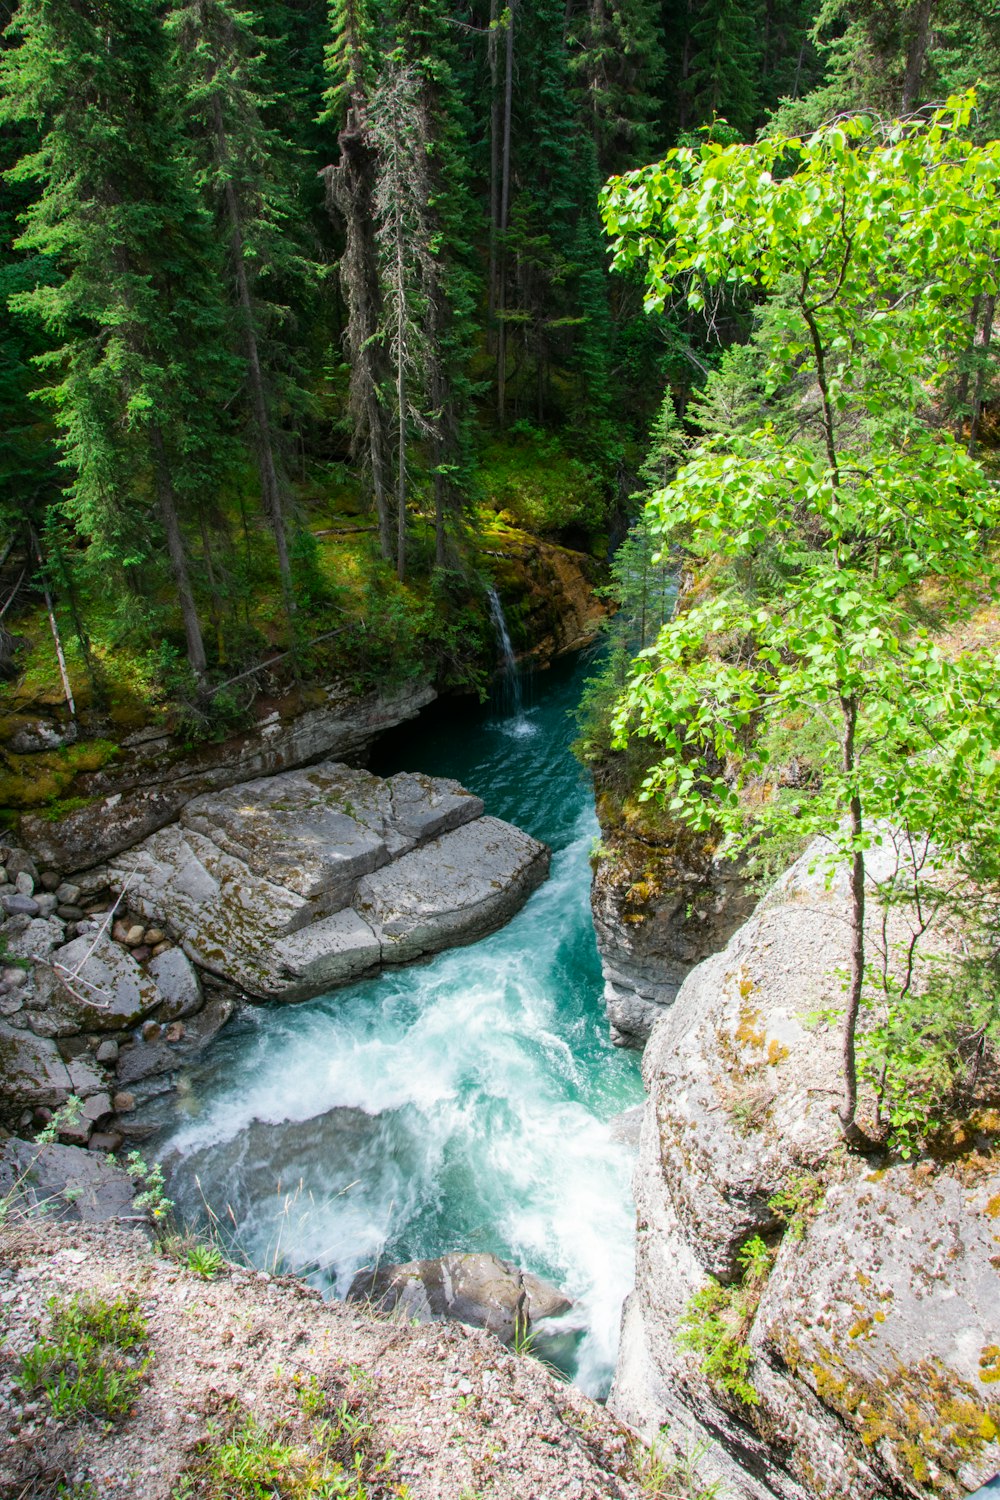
{"x": 831, "y": 537}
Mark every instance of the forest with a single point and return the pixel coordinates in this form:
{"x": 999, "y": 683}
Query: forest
{"x": 299, "y": 304}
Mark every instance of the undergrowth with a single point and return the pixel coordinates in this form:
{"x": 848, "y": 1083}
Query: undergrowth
{"x": 332, "y": 1458}
{"x": 93, "y": 1360}
{"x": 716, "y": 1321}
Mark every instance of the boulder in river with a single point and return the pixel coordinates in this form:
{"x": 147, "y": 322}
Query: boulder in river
{"x": 478, "y": 1289}
{"x": 294, "y": 884}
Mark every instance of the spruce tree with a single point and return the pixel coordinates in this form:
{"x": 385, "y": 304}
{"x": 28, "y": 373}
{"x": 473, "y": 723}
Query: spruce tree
{"x": 350, "y": 182}
{"x": 137, "y": 376}
{"x": 616, "y": 61}
{"x": 426, "y": 42}
{"x": 243, "y": 168}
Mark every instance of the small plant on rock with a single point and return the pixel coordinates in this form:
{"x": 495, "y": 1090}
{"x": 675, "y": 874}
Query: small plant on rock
{"x": 204, "y": 1260}
{"x": 716, "y": 1321}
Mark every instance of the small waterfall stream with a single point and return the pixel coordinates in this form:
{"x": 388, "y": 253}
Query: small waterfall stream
{"x": 466, "y": 1103}
{"x": 508, "y": 687}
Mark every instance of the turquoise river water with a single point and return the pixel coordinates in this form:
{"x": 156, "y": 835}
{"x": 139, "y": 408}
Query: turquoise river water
{"x": 460, "y": 1104}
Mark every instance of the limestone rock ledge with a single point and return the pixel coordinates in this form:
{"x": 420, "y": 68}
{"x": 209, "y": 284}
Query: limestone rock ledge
{"x": 876, "y": 1341}
{"x": 299, "y": 882}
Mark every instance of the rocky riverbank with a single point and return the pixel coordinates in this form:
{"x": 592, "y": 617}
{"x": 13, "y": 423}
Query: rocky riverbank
{"x": 230, "y": 1355}
{"x": 859, "y": 1358}
{"x": 274, "y": 889}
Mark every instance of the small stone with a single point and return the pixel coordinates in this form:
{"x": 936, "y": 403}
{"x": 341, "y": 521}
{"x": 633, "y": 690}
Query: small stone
{"x": 10, "y": 1005}
{"x": 25, "y": 1120}
{"x": 76, "y": 1134}
{"x": 120, "y": 931}
{"x": 67, "y": 894}
{"x": 23, "y": 884}
{"x": 70, "y": 913}
{"x": 104, "y": 1140}
{"x": 153, "y": 935}
{"x": 162, "y": 948}
{"x": 151, "y": 1031}
{"x": 50, "y": 880}
{"x": 107, "y": 1052}
{"x": 175, "y": 1032}
{"x": 141, "y": 953}
{"x": 15, "y": 978}
{"x": 17, "y": 861}
{"x": 46, "y": 904}
{"x": 95, "y": 1108}
{"x": 3, "y": 875}
{"x": 123, "y": 1103}
{"x": 20, "y": 905}
{"x": 41, "y": 1116}
{"x": 133, "y": 936}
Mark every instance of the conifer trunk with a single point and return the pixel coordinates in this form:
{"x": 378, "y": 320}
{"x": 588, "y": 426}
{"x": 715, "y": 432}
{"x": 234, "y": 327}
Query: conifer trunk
{"x": 508, "y": 94}
{"x": 167, "y": 504}
{"x": 263, "y": 443}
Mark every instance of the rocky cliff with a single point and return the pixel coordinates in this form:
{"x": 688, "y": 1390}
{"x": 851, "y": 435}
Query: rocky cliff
{"x": 662, "y": 901}
{"x": 854, "y": 1349}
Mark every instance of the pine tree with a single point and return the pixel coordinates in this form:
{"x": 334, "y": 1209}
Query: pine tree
{"x": 452, "y": 284}
{"x": 138, "y": 377}
{"x": 616, "y": 61}
{"x": 243, "y": 167}
{"x": 350, "y": 195}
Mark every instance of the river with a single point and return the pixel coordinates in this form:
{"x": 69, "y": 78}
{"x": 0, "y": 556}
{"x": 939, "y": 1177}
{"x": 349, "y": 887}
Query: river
{"x": 464, "y": 1103}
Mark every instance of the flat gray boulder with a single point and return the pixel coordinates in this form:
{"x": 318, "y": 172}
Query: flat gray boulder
{"x": 478, "y": 1289}
{"x": 293, "y": 884}
{"x": 453, "y": 890}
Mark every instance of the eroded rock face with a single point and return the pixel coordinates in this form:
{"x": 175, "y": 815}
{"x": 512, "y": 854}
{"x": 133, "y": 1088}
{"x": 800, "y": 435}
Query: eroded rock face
{"x": 659, "y": 909}
{"x": 478, "y": 1289}
{"x": 147, "y": 789}
{"x": 291, "y": 885}
{"x": 71, "y": 1183}
{"x": 872, "y": 1338}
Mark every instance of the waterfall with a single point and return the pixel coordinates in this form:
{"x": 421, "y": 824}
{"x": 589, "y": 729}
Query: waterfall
{"x": 511, "y": 701}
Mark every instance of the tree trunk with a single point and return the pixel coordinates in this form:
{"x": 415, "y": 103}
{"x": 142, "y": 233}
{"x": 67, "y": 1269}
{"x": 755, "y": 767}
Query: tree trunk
{"x": 349, "y": 188}
{"x": 508, "y": 94}
{"x": 853, "y": 1134}
{"x": 915, "y": 54}
{"x": 166, "y": 501}
{"x": 495, "y": 130}
{"x": 401, "y": 404}
{"x": 264, "y": 446}
{"x": 989, "y": 312}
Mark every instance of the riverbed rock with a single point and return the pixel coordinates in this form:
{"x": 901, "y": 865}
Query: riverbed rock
{"x": 73, "y": 1184}
{"x": 871, "y": 1342}
{"x": 479, "y": 1289}
{"x": 98, "y": 984}
{"x": 177, "y": 980}
{"x": 146, "y": 788}
{"x": 289, "y": 886}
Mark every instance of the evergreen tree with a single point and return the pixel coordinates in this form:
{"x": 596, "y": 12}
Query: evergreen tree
{"x": 725, "y": 64}
{"x": 616, "y": 61}
{"x": 350, "y": 68}
{"x": 451, "y": 281}
{"x": 138, "y": 375}
{"x": 243, "y": 168}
